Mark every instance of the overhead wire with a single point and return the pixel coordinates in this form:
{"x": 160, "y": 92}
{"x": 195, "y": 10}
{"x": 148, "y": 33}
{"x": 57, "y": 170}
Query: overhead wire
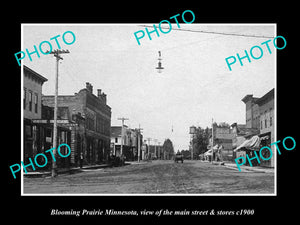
{"x": 214, "y": 32}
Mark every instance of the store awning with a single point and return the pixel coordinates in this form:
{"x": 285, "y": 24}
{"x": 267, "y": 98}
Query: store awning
{"x": 265, "y": 137}
{"x": 252, "y": 143}
{"x": 209, "y": 152}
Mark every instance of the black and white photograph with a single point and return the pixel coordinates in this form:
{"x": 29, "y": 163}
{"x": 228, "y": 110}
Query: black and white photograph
{"x": 170, "y": 115}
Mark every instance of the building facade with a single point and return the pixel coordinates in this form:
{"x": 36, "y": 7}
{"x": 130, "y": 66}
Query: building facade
{"x": 130, "y": 142}
{"x": 88, "y": 117}
{"x": 252, "y": 111}
{"x": 260, "y": 121}
{"x": 223, "y": 136}
{"x": 267, "y": 127}
{"x": 32, "y": 109}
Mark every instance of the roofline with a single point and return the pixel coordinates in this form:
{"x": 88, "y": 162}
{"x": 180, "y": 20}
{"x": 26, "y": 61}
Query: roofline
{"x": 44, "y": 79}
{"x": 245, "y": 99}
{"x": 261, "y": 100}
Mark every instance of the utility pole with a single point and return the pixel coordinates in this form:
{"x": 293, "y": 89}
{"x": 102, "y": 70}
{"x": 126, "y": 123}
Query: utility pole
{"x": 159, "y": 150}
{"x": 122, "y": 131}
{"x": 139, "y": 142}
{"x": 155, "y": 151}
{"x": 54, "y": 144}
{"x": 212, "y": 139}
{"x": 149, "y": 153}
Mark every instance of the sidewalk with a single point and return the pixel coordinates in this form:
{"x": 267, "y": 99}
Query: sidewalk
{"x": 232, "y": 165}
{"x": 65, "y": 170}
{"x": 258, "y": 169}
{"x": 76, "y": 169}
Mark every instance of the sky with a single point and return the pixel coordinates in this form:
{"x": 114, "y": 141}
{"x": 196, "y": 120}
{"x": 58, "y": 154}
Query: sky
{"x": 195, "y": 86}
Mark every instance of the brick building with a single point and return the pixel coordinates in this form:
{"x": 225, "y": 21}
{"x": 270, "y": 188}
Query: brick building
{"x": 89, "y": 118}
{"x": 267, "y": 128}
{"x": 223, "y": 136}
{"x": 260, "y": 121}
{"x": 252, "y": 111}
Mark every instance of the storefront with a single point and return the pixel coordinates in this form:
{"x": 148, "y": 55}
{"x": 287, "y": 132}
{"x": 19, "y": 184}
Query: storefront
{"x": 41, "y": 140}
{"x": 265, "y": 140}
{"x": 255, "y": 144}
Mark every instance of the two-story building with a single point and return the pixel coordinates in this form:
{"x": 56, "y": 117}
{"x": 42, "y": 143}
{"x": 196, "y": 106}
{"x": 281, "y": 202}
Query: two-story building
{"x": 260, "y": 118}
{"x": 92, "y": 118}
{"x": 267, "y": 127}
{"x": 130, "y": 142}
{"x": 32, "y": 109}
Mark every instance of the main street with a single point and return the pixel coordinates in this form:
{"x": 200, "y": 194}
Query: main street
{"x": 156, "y": 177}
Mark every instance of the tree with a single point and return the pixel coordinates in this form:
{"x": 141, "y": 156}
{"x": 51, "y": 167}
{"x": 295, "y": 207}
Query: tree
{"x": 168, "y": 149}
{"x": 201, "y": 140}
{"x": 224, "y": 124}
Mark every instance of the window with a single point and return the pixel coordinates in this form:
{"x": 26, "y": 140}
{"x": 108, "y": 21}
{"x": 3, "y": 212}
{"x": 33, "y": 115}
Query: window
{"x": 24, "y": 98}
{"x": 35, "y": 102}
{"x": 90, "y": 124}
{"x": 28, "y": 131}
{"x": 261, "y": 125}
{"x": 30, "y": 100}
{"x": 116, "y": 140}
{"x": 265, "y": 123}
{"x": 271, "y": 122}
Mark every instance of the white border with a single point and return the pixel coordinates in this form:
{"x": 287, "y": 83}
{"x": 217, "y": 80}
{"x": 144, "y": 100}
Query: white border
{"x": 131, "y": 24}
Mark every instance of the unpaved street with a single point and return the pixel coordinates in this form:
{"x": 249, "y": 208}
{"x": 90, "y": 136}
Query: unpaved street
{"x": 156, "y": 177}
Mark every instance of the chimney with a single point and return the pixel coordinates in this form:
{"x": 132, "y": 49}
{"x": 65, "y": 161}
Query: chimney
{"x": 99, "y": 93}
{"x": 104, "y": 97}
{"x": 89, "y": 87}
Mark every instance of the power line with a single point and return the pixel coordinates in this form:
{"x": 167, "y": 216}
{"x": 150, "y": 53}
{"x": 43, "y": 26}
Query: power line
{"x": 213, "y": 32}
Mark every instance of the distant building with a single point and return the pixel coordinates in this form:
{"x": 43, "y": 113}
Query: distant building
{"x": 223, "y": 136}
{"x": 116, "y": 139}
{"x": 130, "y": 142}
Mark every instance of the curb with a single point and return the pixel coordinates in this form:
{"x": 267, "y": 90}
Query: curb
{"x": 250, "y": 169}
{"x": 70, "y": 170}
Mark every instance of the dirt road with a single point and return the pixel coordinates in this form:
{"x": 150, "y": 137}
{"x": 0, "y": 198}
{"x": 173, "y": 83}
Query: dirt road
{"x": 156, "y": 177}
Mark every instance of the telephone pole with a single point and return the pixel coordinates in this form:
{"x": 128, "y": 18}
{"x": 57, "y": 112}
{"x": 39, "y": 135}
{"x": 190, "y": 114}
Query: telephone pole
{"x": 139, "y": 142}
{"x": 149, "y": 153}
{"x": 155, "y": 151}
{"x": 212, "y": 139}
{"x": 122, "y": 138}
{"x": 54, "y": 145}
